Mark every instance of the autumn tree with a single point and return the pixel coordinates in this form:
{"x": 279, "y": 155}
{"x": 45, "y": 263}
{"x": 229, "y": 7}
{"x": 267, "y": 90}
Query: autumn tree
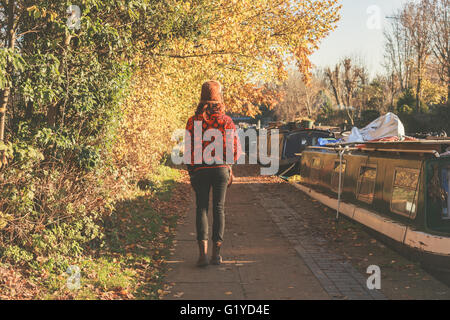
{"x": 61, "y": 91}
{"x": 8, "y": 59}
{"x": 252, "y": 42}
{"x": 439, "y": 11}
{"x": 248, "y": 47}
{"x": 398, "y": 53}
{"x": 417, "y": 50}
{"x": 345, "y": 80}
{"x": 68, "y": 75}
{"x": 378, "y": 94}
{"x": 416, "y": 18}
{"x": 300, "y": 99}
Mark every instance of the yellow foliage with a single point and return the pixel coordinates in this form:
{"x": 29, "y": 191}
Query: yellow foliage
{"x": 433, "y": 93}
{"x": 252, "y": 42}
{"x": 151, "y": 114}
{"x": 4, "y": 219}
{"x": 249, "y": 43}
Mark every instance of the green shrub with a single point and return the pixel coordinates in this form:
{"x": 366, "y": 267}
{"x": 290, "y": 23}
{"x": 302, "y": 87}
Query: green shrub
{"x": 405, "y": 109}
{"x": 17, "y": 254}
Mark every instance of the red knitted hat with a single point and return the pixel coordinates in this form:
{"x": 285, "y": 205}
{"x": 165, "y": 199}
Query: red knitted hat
{"x": 211, "y": 92}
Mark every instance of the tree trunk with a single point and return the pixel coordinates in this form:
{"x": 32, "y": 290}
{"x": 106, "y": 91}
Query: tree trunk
{"x": 4, "y": 97}
{"x": 333, "y": 86}
{"x": 308, "y": 107}
{"x": 54, "y": 110}
{"x": 448, "y": 86}
{"x": 419, "y": 86}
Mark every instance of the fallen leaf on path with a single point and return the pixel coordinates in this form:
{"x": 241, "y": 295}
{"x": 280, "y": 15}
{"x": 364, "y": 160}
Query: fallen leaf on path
{"x": 123, "y": 292}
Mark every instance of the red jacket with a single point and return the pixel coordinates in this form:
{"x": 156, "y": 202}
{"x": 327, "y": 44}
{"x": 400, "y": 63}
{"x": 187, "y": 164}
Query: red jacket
{"x": 226, "y": 127}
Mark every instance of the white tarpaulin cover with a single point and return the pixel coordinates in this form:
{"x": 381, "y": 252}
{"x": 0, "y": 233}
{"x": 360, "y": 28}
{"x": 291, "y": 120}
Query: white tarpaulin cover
{"x": 388, "y": 125}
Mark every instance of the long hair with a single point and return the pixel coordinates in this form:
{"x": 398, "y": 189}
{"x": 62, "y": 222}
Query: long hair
{"x": 210, "y": 108}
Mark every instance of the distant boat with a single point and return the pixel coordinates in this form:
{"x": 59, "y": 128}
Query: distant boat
{"x": 292, "y": 144}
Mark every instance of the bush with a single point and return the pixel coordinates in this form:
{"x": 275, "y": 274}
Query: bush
{"x": 406, "y": 104}
{"x": 367, "y": 116}
{"x": 407, "y": 98}
{"x": 17, "y": 254}
{"x": 51, "y": 208}
{"x": 405, "y": 109}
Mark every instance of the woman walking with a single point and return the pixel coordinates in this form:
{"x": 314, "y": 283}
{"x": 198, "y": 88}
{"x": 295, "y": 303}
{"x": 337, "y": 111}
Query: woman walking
{"x": 208, "y": 168}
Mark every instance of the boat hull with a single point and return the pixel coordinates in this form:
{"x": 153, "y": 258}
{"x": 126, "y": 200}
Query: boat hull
{"x": 399, "y": 190}
{"x": 431, "y": 250}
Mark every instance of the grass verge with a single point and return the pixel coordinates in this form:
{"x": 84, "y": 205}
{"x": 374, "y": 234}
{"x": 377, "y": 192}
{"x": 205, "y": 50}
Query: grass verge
{"x": 130, "y": 262}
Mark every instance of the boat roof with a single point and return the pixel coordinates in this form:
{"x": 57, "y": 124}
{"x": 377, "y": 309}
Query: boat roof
{"x": 406, "y": 143}
{"x": 303, "y": 130}
{"x": 423, "y": 146}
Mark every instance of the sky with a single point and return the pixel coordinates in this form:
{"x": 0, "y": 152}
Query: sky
{"x": 359, "y": 34}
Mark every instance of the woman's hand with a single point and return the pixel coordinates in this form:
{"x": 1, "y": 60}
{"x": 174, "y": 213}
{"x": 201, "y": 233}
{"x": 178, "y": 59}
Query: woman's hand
{"x": 230, "y": 181}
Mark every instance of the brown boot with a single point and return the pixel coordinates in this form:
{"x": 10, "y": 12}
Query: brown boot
{"x": 216, "y": 258}
{"x": 203, "y": 252}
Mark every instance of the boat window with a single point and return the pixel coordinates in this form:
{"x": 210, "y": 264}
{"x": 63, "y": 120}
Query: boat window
{"x": 316, "y": 163}
{"x": 315, "y": 168}
{"x": 366, "y": 183}
{"x": 405, "y": 192}
{"x": 294, "y": 144}
{"x": 335, "y": 175}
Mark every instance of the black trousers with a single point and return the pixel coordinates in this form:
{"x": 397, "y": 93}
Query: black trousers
{"x": 203, "y": 180}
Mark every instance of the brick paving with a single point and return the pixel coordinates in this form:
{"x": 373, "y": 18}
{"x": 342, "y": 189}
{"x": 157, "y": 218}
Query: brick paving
{"x": 336, "y": 275}
{"x": 269, "y": 253}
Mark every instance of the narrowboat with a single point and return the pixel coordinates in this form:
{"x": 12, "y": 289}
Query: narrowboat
{"x": 292, "y": 143}
{"x": 400, "y": 190}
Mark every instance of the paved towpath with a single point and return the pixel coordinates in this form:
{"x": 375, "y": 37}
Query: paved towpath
{"x": 267, "y": 253}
